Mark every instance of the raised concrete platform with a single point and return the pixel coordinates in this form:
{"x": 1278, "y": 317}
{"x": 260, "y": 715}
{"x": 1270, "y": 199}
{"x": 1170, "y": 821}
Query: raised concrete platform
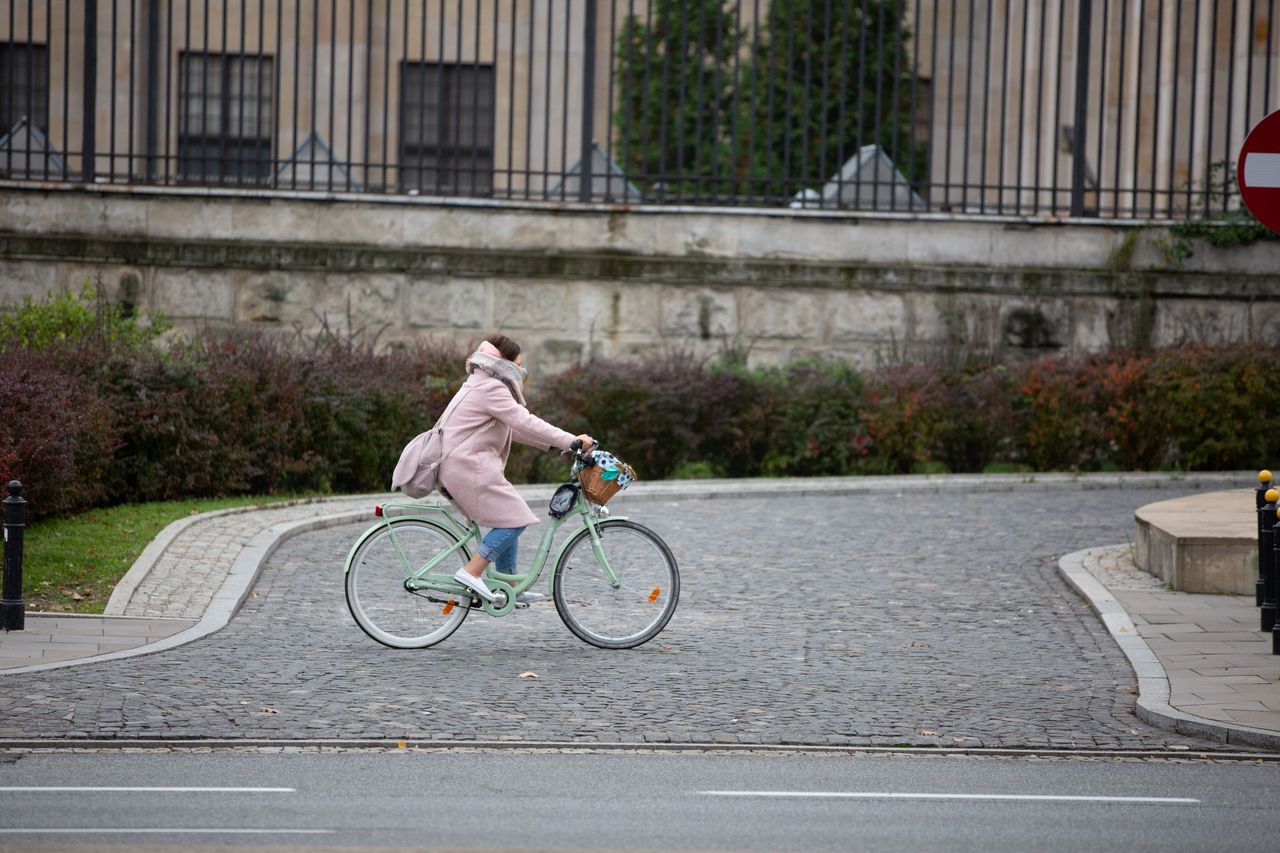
{"x": 1201, "y": 543}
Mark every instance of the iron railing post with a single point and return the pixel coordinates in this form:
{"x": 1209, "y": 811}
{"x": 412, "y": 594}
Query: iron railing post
{"x": 588, "y": 99}
{"x": 1083, "y": 35}
{"x": 153, "y": 88}
{"x": 89, "y": 151}
{"x": 15, "y": 521}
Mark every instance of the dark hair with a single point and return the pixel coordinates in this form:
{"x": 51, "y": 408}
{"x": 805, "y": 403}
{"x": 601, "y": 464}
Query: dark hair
{"x": 509, "y": 348}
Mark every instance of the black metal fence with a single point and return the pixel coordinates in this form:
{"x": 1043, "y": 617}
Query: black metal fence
{"x": 1109, "y": 108}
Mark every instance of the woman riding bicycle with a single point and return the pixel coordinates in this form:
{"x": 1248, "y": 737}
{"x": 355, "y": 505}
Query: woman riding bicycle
{"x": 489, "y": 411}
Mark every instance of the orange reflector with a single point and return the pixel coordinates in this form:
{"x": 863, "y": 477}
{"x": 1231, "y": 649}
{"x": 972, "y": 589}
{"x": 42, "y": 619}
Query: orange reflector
{"x": 448, "y": 608}
{"x": 657, "y": 591}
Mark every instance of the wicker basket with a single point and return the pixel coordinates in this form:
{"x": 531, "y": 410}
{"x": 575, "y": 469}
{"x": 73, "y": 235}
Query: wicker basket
{"x": 597, "y": 489}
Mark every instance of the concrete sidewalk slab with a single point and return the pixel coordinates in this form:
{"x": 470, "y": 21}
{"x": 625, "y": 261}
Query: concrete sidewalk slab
{"x": 1202, "y": 670}
{"x": 54, "y": 637}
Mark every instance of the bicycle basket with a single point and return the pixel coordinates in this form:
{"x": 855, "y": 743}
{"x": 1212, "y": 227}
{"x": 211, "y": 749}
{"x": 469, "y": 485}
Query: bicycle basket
{"x": 606, "y": 478}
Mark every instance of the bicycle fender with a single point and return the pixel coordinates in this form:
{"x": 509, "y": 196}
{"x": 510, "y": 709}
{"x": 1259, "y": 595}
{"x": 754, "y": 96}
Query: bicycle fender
{"x": 390, "y": 522}
{"x": 385, "y": 522}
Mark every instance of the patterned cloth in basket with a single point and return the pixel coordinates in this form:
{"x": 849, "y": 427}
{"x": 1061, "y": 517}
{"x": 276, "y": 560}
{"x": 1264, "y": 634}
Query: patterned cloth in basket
{"x": 604, "y": 479}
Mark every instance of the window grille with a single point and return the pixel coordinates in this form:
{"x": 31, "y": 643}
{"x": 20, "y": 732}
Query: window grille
{"x": 446, "y": 128}
{"x": 24, "y": 85}
{"x": 225, "y": 118}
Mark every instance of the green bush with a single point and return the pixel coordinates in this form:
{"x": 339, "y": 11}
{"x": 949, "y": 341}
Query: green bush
{"x": 97, "y": 410}
{"x": 814, "y": 423}
{"x": 1217, "y": 408}
{"x": 71, "y": 317}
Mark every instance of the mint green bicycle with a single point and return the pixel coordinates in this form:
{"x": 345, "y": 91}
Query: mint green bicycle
{"x": 615, "y": 583}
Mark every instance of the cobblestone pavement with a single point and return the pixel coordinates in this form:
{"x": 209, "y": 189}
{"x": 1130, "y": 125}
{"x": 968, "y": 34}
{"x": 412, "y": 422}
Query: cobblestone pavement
{"x": 865, "y": 619}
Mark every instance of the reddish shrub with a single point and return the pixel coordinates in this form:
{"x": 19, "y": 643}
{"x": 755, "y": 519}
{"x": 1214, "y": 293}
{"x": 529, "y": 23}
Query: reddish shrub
{"x": 1058, "y": 407}
{"x": 56, "y": 436}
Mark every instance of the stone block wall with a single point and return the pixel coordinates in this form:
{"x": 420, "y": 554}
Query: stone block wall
{"x": 588, "y": 282}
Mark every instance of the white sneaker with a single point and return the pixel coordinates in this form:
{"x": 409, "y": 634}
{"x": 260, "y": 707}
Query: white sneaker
{"x": 476, "y": 585}
{"x": 524, "y": 599}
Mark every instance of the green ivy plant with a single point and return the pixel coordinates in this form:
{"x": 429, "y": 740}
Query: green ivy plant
{"x": 1224, "y": 229}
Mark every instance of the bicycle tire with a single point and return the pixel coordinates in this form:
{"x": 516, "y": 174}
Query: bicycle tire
{"x": 381, "y": 606}
{"x": 585, "y": 599}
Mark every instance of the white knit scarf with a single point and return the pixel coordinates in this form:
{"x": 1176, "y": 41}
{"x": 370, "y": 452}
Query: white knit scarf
{"x": 499, "y": 368}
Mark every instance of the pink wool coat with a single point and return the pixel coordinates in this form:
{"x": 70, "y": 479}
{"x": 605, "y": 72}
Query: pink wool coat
{"x": 473, "y": 473}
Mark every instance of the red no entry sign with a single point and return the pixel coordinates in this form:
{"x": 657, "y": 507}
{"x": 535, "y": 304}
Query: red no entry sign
{"x": 1258, "y": 171}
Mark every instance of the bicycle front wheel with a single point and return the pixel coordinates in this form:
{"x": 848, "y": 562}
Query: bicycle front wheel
{"x": 379, "y": 600}
{"x": 634, "y": 611}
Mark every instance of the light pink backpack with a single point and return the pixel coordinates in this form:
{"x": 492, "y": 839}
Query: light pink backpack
{"x": 416, "y": 473}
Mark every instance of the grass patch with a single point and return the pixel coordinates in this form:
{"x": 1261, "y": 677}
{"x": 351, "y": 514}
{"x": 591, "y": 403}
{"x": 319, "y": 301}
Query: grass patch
{"x": 71, "y": 565}
{"x": 1008, "y": 468}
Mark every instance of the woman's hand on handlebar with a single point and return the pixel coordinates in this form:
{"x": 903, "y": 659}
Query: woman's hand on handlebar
{"x": 582, "y": 444}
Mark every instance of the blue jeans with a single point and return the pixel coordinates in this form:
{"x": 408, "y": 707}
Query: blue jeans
{"x": 499, "y": 547}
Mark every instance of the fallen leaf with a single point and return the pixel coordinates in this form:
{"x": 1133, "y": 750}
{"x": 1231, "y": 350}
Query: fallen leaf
{"x": 927, "y": 732}
{"x": 268, "y": 710}
{"x": 528, "y": 675}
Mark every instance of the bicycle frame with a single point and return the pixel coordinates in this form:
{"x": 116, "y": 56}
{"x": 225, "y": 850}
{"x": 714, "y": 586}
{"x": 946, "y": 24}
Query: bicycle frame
{"x": 425, "y": 576}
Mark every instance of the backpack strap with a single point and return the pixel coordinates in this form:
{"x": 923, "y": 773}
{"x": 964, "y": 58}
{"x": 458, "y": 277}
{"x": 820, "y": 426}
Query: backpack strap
{"x": 440, "y": 426}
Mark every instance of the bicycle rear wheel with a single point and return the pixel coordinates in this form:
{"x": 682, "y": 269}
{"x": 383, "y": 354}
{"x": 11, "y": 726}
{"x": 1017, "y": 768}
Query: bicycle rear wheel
{"x": 634, "y": 612}
{"x": 383, "y": 606}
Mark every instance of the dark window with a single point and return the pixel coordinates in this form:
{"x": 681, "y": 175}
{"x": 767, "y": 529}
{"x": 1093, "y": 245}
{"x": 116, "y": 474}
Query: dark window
{"x": 224, "y": 128}
{"x": 24, "y": 85}
{"x": 446, "y": 128}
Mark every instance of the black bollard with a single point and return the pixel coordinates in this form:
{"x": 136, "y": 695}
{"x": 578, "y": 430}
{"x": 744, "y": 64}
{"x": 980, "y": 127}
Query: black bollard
{"x": 1269, "y": 580}
{"x": 15, "y": 521}
{"x": 1265, "y": 519}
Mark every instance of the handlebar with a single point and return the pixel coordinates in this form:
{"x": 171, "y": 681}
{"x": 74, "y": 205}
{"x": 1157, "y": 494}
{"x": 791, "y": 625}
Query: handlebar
{"x": 583, "y": 459}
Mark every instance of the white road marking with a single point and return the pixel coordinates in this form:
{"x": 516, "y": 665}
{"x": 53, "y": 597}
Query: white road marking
{"x": 1262, "y": 171}
{"x": 119, "y": 788}
{"x": 897, "y": 795}
{"x": 164, "y": 831}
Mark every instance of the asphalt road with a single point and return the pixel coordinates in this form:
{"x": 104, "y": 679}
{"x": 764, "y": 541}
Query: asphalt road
{"x": 632, "y": 801}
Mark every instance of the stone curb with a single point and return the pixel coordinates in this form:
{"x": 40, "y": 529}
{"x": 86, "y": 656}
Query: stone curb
{"x": 320, "y": 744}
{"x": 248, "y": 564}
{"x": 128, "y": 585}
{"x": 1153, "y": 682}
